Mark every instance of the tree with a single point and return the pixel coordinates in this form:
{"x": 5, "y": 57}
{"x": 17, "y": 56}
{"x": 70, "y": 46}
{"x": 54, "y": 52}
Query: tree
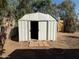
{"x": 69, "y": 15}
{"x": 3, "y": 5}
{"x": 31, "y": 6}
{"x": 44, "y": 6}
{"x": 23, "y": 8}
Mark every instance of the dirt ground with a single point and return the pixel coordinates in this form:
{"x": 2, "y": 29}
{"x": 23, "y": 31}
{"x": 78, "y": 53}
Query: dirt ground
{"x": 62, "y": 46}
{"x": 65, "y": 47}
{"x": 67, "y": 40}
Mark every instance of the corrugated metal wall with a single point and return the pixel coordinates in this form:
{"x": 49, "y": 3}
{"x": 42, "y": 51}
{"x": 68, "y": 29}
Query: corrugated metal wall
{"x": 52, "y": 30}
{"x": 45, "y": 29}
{"x": 23, "y": 33}
{"x": 55, "y": 30}
{"x": 42, "y": 30}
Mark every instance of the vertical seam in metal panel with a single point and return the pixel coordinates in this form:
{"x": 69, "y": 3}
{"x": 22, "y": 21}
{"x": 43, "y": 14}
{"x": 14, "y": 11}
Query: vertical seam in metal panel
{"x": 27, "y": 30}
{"x": 21, "y": 31}
{"x": 24, "y": 32}
{"x": 47, "y": 31}
{"x": 18, "y": 27}
{"x": 53, "y": 30}
{"x": 50, "y": 30}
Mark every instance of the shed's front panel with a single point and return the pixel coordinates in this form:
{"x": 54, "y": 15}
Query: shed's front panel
{"x": 37, "y": 26}
{"x": 23, "y": 33}
{"x": 52, "y": 30}
{"x": 42, "y": 30}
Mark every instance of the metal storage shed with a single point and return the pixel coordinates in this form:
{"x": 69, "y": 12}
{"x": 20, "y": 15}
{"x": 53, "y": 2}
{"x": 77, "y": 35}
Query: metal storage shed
{"x": 38, "y": 26}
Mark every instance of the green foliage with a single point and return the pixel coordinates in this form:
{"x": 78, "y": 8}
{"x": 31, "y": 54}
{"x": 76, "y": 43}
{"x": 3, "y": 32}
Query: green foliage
{"x": 31, "y": 6}
{"x": 26, "y": 6}
{"x": 23, "y": 8}
{"x": 78, "y": 26}
{"x": 44, "y": 6}
{"x": 3, "y": 4}
{"x": 70, "y": 16}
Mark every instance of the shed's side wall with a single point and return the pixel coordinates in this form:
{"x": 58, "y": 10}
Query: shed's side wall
{"x": 22, "y": 30}
{"x": 55, "y": 30}
{"x": 52, "y": 30}
{"x": 26, "y": 31}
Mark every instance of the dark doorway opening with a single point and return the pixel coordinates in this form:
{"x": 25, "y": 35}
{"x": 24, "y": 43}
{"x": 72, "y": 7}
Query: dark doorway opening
{"x": 34, "y": 29}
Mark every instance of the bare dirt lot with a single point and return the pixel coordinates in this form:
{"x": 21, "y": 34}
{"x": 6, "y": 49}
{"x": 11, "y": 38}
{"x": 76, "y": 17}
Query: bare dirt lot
{"x": 67, "y": 40}
{"x": 65, "y": 47}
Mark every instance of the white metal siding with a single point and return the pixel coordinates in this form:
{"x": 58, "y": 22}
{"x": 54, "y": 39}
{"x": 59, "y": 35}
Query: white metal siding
{"x": 24, "y": 27}
{"x": 25, "y": 31}
{"x": 20, "y": 32}
{"x": 42, "y": 31}
{"x": 29, "y": 30}
{"x": 23, "y": 35}
{"x": 51, "y": 30}
{"x": 55, "y": 30}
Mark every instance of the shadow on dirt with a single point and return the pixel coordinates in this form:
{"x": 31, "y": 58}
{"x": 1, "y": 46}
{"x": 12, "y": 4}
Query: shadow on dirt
{"x": 74, "y": 37}
{"x": 45, "y": 54}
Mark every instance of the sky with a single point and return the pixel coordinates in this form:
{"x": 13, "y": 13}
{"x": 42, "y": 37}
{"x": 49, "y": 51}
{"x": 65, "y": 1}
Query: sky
{"x": 75, "y": 1}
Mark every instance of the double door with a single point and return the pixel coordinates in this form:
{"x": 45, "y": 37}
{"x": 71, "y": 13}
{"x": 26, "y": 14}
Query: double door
{"x": 37, "y": 30}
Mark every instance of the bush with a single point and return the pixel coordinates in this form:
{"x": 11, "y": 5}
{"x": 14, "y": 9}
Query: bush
{"x": 14, "y": 32}
{"x": 77, "y": 26}
{"x": 69, "y": 25}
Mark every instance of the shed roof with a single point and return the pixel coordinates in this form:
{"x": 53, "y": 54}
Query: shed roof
{"x": 37, "y": 17}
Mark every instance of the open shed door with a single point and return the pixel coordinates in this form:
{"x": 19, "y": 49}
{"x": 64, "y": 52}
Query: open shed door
{"x": 42, "y": 30}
